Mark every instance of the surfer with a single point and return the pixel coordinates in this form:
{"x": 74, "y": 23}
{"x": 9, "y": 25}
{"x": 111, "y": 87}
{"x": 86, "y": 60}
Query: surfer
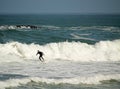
{"x": 40, "y": 55}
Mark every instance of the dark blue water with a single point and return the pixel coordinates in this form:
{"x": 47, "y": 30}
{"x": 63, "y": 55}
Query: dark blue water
{"x": 61, "y": 20}
{"x": 58, "y": 28}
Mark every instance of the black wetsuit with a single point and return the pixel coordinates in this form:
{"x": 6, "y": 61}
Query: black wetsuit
{"x": 40, "y": 55}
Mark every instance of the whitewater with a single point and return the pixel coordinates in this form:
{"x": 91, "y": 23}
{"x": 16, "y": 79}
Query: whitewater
{"x": 59, "y": 57}
{"x": 72, "y": 51}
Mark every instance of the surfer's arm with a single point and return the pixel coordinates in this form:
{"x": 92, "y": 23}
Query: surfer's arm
{"x": 36, "y": 53}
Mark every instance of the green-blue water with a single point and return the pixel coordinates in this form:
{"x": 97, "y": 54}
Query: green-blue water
{"x": 81, "y": 51}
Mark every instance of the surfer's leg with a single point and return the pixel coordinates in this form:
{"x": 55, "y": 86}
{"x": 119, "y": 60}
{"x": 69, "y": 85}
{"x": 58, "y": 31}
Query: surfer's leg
{"x": 42, "y": 58}
{"x": 39, "y": 58}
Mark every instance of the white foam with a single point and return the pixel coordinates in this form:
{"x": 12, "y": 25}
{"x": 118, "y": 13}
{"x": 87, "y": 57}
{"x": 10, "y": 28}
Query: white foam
{"x": 8, "y": 27}
{"x": 12, "y": 27}
{"x": 73, "y": 51}
{"x": 79, "y": 80}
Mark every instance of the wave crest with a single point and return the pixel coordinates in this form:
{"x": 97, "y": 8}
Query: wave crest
{"x": 19, "y": 27}
{"x": 72, "y": 51}
{"x": 52, "y": 27}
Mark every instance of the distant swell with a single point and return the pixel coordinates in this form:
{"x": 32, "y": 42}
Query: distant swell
{"x": 72, "y": 51}
{"x": 51, "y": 27}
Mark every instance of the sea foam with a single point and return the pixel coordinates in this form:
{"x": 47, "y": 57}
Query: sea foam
{"x": 97, "y": 79}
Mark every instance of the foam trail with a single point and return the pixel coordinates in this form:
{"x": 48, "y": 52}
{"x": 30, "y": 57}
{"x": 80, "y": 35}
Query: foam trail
{"x": 73, "y": 51}
{"x": 79, "y": 80}
{"x": 79, "y": 36}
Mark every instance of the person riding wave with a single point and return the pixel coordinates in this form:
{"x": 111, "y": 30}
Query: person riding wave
{"x": 40, "y": 55}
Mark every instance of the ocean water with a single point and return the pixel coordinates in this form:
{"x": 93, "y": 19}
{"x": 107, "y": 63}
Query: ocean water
{"x": 80, "y": 51}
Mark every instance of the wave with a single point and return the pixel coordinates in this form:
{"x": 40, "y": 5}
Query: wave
{"x": 51, "y": 27}
{"x": 72, "y": 51}
{"x": 97, "y": 79}
{"x": 12, "y": 27}
{"x": 5, "y": 27}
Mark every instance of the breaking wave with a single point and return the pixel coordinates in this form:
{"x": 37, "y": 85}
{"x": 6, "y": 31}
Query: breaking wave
{"x": 72, "y": 51}
{"x": 5, "y": 27}
{"x": 12, "y": 27}
{"x": 97, "y": 79}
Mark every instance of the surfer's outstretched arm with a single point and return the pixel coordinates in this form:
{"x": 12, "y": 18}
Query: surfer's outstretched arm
{"x": 37, "y": 53}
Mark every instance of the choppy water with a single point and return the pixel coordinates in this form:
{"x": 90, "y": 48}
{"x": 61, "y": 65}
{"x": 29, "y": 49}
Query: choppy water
{"x": 81, "y": 51}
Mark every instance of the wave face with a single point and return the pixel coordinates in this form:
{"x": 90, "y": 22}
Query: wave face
{"x": 72, "y": 51}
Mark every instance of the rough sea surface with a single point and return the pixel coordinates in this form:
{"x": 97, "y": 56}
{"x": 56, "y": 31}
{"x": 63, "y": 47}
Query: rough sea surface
{"x": 80, "y": 51}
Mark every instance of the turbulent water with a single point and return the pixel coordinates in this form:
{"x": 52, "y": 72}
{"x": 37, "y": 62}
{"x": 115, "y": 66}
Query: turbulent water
{"x": 80, "y": 51}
